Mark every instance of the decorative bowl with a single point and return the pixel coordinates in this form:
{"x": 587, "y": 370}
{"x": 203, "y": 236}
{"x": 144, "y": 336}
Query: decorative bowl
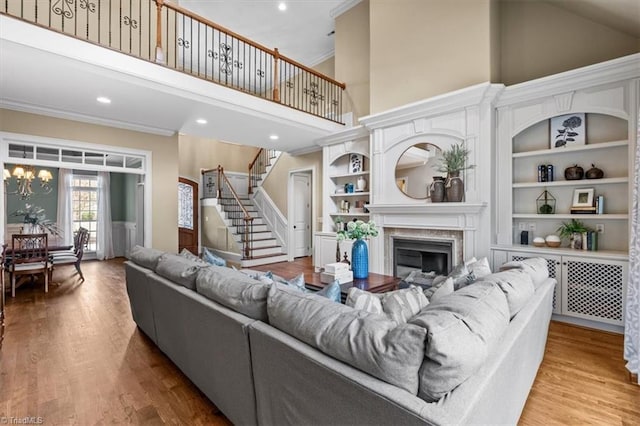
{"x": 553, "y": 241}
{"x": 539, "y": 242}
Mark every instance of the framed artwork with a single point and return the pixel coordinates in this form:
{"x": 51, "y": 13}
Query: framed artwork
{"x": 356, "y": 163}
{"x": 567, "y": 130}
{"x": 583, "y": 197}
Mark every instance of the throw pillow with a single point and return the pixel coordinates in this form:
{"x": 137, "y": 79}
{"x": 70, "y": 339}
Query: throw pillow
{"x": 461, "y": 276}
{"x": 399, "y": 305}
{"x": 440, "y": 289}
{"x": 263, "y": 277}
{"x": 295, "y": 282}
{"x": 536, "y": 267}
{"x": 371, "y": 343}
{"x": 331, "y": 291}
{"x": 188, "y": 255}
{"x": 213, "y": 259}
{"x": 145, "y": 257}
{"x": 480, "y": 268}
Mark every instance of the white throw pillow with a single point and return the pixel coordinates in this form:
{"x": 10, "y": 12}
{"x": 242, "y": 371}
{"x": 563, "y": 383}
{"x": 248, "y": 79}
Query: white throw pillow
{"x": 399, "y": 305}
{"x": 480, "y": 268}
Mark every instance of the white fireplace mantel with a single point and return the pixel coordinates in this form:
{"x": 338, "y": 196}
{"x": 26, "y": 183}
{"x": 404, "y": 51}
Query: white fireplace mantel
{"x": 428, "y": 208}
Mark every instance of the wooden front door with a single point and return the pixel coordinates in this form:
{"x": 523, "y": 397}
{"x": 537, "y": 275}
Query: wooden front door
{"x": 188, "y": 215}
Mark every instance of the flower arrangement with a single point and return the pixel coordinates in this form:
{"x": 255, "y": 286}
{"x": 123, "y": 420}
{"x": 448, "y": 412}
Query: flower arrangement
{"x": 34, "y": 215}
{"x": 357, "y": 230}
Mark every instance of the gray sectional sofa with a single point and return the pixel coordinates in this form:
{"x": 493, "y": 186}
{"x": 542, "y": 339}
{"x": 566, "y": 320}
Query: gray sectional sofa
{"x": 264, "y": 354}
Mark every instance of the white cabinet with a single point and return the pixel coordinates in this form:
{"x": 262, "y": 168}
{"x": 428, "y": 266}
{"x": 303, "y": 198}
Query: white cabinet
{"x": 324, "y": 249}
{"x": 589, "y": 287}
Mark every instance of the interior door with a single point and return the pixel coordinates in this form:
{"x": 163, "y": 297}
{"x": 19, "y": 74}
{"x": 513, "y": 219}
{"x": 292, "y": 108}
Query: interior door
{"x": 301, "y": 214}
{"x": 187, "y": 215}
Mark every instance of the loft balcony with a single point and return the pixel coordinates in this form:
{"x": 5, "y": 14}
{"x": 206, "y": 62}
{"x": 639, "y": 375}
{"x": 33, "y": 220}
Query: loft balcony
{"x": 165, "y": 67}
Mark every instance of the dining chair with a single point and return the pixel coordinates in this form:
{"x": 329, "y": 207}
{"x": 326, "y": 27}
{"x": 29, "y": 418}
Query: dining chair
{"x": 29, "y": 256}
{"x": 72, "y": 256}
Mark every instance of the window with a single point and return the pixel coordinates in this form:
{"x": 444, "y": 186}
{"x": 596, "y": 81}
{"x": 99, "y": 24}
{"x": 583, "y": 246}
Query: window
{"x": 185, "y": 206}
{"x": 84, "y": 192}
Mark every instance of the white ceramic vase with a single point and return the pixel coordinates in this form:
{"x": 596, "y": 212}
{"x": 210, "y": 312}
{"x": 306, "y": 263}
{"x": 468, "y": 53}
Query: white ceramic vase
{"x": 361, "y": 183}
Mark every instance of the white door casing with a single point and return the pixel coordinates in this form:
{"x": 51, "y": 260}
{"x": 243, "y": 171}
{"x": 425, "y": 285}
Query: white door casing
{"x": 301, "y": 214}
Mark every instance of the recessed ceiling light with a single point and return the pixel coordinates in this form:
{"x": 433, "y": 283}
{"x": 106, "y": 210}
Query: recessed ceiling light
{"x": 103, "y": 100}
{"x": 201, "y": 121}
{"x": 282, "y": 6}
{"x": 274, "y": 137}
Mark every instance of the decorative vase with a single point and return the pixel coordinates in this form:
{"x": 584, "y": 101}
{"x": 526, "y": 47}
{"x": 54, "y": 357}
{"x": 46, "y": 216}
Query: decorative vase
{"x": 360, "y": 259}
{"x": 455, "y": 188}
{"x": 361, "y": 183}
{"x": 437, "y": 189}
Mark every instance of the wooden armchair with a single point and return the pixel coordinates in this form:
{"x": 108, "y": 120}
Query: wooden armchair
{"x": 29, "y": 256}
{"x": 73, "y": 256}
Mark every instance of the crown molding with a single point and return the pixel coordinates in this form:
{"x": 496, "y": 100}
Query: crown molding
{"x": 349, "y": 134}
{"x": 319, "y": 59}
{"x": 343, "y": 7}
{"x": 65, "y": 115}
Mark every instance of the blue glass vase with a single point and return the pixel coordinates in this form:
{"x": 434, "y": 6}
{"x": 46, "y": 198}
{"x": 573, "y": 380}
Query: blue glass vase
{"x": 360, "y": 259}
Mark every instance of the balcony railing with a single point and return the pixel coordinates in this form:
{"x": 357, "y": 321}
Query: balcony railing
{"x": 161, "y": 32}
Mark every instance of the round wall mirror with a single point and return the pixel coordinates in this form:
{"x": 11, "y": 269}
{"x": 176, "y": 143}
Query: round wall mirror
{"x": 416, "y": 168}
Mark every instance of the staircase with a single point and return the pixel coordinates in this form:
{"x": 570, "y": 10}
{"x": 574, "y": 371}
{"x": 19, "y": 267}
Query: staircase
{"x": 251, "y": 232}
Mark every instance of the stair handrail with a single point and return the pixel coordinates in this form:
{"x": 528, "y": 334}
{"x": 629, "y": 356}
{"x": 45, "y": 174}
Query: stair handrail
{"x": 254, "y": 173}
{"x": 247, "y": 241}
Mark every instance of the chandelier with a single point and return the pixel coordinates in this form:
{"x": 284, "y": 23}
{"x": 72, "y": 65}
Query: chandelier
{"x": 24, "y": 177}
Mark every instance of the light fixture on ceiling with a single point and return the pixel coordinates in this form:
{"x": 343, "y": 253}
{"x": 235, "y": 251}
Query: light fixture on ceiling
{"x": 274, "y": 137}
{"x": 201, "y": 121}
{"x": 103, "y": 100}
{"x": 24, "y": 176}
{"x": 282, "y": 6}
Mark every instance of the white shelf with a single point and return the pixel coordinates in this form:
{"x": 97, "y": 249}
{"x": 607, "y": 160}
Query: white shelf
{"x": 565, "y": 251}
{"x": 579, "y": 182}
{"x": 571, "y": 216}
{"x": 345, "y": 175}
{"x": 556, "y": 151}
{"x": 351, "y": 194}
{"x": 349, "y": 214}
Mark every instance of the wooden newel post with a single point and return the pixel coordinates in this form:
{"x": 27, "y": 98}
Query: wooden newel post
{"x": 276, "y": 75}
{"x": 219, "y": 188}
{"x": 159, "y": 51}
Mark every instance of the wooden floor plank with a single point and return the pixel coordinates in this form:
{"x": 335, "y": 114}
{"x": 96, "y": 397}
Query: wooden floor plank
{"x": 74, "y": 356}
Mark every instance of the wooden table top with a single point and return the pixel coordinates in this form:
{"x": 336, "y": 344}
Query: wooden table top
{"x": 374, "y": 283}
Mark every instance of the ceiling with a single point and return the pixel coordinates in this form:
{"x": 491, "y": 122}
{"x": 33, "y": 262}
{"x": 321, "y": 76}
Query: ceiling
{"x": 303, "y": 32}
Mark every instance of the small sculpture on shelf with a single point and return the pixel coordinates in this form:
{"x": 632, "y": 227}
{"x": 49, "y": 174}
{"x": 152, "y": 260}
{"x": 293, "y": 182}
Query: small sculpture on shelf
{"x": 594, "y": 173}
{"x": 546, "y": 203}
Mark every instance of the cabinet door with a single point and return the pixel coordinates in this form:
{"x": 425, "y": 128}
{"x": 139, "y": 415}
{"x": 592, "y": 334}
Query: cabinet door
{"x": 324, "y": 251}
{"x": 594, "y": 289}
{"x": 553, "y": 264}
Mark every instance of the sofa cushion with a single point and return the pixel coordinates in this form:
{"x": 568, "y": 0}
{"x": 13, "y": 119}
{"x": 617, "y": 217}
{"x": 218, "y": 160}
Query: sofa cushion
{"x": 372, "y": 343}
{"x": 440, "y": 289}
{"x": 399, "y": 305}
{"x": 234, "y": 290}
{"x": 145, "y": 257}
{"x": 179, "y": 269}
{"x": 517, "y": 286}
{"x": 462, "y": 329}
{"x": 536, "y": 267}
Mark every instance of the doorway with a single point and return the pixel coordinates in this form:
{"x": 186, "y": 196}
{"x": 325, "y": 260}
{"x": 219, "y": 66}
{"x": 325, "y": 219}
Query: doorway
{"x": 188, "y": 215}
{"x": 300, "y": 215}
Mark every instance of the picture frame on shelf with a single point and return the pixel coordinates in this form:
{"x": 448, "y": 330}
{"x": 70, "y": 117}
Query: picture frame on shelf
{"x": 356, "y": 163}
{"x": 567, "y": 130}
{"x": 583, "y": 197}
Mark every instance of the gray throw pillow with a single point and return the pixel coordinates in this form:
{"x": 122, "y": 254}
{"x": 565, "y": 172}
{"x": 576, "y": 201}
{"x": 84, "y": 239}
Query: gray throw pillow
{"x": 440, "y": 289}
{"x": 371, "y": 343}
{"x": 536, "y": 267}
{"x": 179, "y": 269}
{"x": 461, "y": 276}
{"x": 479, "y": 268}
{"x": 517, "y": 286}
{"x": 399, "y": 305}
{"x": 145, "y": 257}
{"x": 234, "y": 290}
{"x": 188, "y": 255}
{"x": 462, "y": 330}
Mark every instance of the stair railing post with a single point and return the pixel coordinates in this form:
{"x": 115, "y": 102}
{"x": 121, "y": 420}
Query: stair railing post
{"x": 276, "y": 75}
{"x": 159, "y": 52}
{"x": 248, "y": 229}
{"x": 219, "y": 188}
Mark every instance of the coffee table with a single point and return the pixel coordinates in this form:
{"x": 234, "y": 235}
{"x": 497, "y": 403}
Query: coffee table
{"x": 374, "y": 283}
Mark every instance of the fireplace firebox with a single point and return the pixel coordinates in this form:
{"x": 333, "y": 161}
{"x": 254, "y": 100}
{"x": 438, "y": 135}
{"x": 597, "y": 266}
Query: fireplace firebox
{"x": 423, "y": 255}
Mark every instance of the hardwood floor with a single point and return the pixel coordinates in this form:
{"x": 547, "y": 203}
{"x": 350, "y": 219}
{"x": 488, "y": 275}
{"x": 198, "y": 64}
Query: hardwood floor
{"x": 75, "y": 356}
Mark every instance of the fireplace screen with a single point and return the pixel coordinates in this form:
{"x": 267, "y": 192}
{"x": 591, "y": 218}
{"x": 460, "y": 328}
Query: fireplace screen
{"x": 421, "y": 255}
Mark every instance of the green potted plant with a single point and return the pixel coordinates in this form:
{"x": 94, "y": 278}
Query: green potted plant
{"x": 573, "y": 231}
{"x": 453, "y": 161}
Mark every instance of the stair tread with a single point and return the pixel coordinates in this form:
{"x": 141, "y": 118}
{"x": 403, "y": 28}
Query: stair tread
{"x": 265, "y": 256}
{"x": 265, "y": 247}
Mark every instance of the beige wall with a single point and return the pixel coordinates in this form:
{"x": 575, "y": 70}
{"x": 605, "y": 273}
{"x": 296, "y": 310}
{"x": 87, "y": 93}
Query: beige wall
{"x": 327, "y": 67}
{"x": 352, "y": 58}
{"x": 494, "y": 40}
{"x": 164, "y": 164}
{"x": 276, "y": 183}
{"x": 422, "y": 48}
{"x": 539, "y": 39}
{"x": 215, "y": 233}
{"x": 200, "y": 153}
